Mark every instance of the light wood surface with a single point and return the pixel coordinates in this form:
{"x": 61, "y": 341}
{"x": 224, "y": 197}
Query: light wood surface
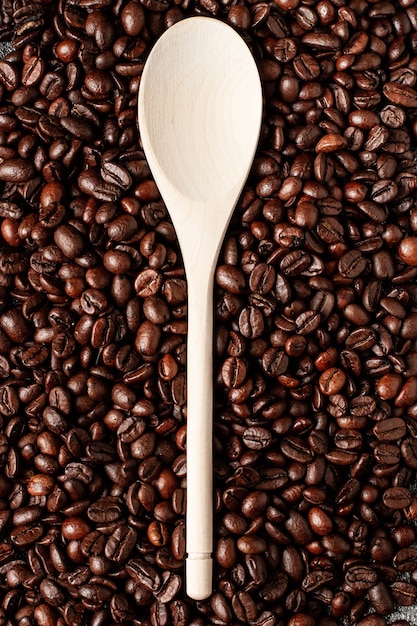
{"x": 200, "y": 106}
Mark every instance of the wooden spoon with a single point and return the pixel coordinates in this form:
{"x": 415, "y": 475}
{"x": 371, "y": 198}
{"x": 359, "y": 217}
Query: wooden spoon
{"x": 200, "y": 108}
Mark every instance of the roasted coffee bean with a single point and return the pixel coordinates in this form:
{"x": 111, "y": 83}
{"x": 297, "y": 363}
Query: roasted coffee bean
{"x": 92, "y": 183}
{"x": 69, "y": 240}
{"x": 233, "y": 372}
{"x": 332, "y": 381}
{"x": 226, "y": 553}
{"x": 319, "y": 521}
{"x": 361, "y": 339}
{"x": 381, "y": 599}
{"x": 390, "y": 429}
{"x": 16, "y": 170}
{"x": 274, "y": 362}
{"x": 121, "y": 543}
{"x": 95, "y": 594}
{"x": 361, "y": 577}
{"x": 401, "y": 95}
{"x": 251, "y": 544}
{"x": 256, "y": 438}
{"x": 25, "y": 535}
{"x": 383, "y": 191}
{"x": 352, "y": 264}
{"x": 331, "y": 142}
{"x": 144, "y": 574}
{"x": 230, "y": 278}
{"x": 404, "y": 593}
{"x": 106, "y": 509}
{"x": 77, "y": 127}
{"x": 403, "y": 560}
{"x": 9, "y": 75}
{"x": 251, "y": 323}
{"x": 74, "y": 528}
{"x": 298, "y": 528}
{"x": 307, "y": 322}
{"x": 408, "y": 250}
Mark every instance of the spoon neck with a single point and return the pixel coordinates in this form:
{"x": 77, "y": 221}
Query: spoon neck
{"x": 200, "y": 303}
{"x": 200, "y": 338}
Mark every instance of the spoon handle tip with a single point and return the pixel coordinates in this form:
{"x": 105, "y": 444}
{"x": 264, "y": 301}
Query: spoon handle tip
{"x": 199, "y": 576}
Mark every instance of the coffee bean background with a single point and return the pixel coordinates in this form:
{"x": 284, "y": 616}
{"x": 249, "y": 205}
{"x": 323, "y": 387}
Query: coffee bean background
{"x": 316, "y": 326}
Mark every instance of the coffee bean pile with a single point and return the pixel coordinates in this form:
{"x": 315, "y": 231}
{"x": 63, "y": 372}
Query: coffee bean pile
{"x": 316, "y": 325}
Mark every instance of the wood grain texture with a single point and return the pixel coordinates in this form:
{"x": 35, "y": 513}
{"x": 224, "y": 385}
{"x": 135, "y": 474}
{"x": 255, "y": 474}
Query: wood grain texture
{"x": 200, "y": 108}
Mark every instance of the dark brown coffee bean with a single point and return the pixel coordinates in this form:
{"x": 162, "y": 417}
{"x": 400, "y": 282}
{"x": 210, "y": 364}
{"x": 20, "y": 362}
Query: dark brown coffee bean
{"x": 256, "y": 438}
{"x": 315, "y": 579}
{"x": 233, "y": 372}
{"x": 384, "y": 191}
{"x": 9, "y": 75}
{"x": 298, "y": 528}
{"x": 74, "y": 528}
{"x": 408, "y": 329}
{"x": 244, "y": 606}
{"x": 390, "y": 429}
{"x": 235, "y": 523}
{"x": 307, "y": 322}
{"x": 77, "y": 127}
{"x": 274, "y": 362}
{"x": 133, "y": 19}
{"x": 226, "y": 553}
{"x": 262, "y": 278}
{"x": 147, "y": 338}
{"x": 113, "y": 173}
{"x": 251, "y": 323}
{"x": 69, "y": 240}
{"x": 361, "y": 577}
{"x": 361, "y": 339}
{"x": 275, "y": 588}
{"x": 51, "y": 592}
{"x": 408, "y": 250}
{"x": 251, "y": 544}
{"x": 230, "y": 278}
{"x": 26, "y": 535}
{"x": 94, "y": 185}
{"x": 404, "y": 593}
{"x": 403, "y": 560}
{"x": 397, "y": 498}
{"x": 400, "y": 94}
{"x": 332, "y": 381}
{"x": 319, "y": 521}
{"x": 296, "y": 449}
{"x": 106, "y": 509}
{"x": 295, "y": 263}
{"x": 331, "y": 142}
{"x": 95, "y": 594}
{"x": 352, "y": 264}
{"x": 144, "y": 574}
{"x": 254, "y": 504}
{"x": 16, "y": 170}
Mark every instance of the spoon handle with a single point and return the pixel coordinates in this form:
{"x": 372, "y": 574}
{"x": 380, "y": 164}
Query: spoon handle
{"x": 199, "y": 512}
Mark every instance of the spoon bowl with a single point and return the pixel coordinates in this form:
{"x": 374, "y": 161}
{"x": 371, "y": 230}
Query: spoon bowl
{"x": 200, "y": 110}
